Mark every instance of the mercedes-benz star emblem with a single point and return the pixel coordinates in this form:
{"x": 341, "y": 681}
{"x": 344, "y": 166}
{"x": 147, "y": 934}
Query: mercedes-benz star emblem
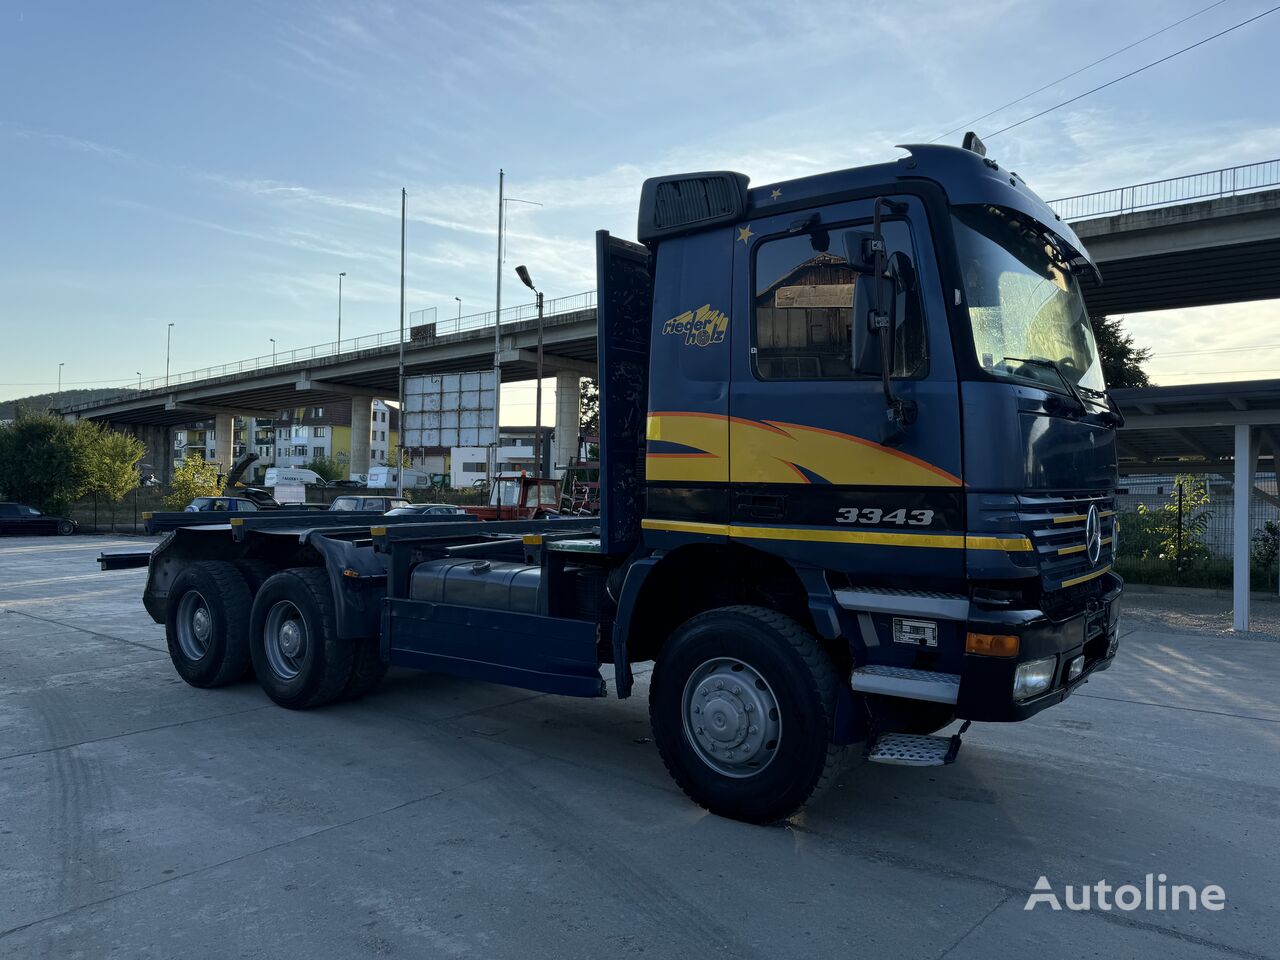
{"x": 1093, "y": 534}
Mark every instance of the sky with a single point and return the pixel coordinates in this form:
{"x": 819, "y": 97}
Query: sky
{"x": 216, "y": 165}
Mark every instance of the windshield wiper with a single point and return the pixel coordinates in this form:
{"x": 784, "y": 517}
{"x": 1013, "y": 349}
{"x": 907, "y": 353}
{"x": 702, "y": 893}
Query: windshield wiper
{"x": 1050, "y": 365}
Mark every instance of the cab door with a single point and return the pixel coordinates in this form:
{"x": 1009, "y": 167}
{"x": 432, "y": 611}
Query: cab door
{"x": 809, "y": 478}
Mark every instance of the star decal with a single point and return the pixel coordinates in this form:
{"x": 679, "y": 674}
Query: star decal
{"x": 776, "y": 194}
{"x": 744, "y": 234}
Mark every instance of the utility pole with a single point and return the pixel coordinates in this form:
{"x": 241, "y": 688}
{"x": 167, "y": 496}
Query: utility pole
{"x": 404, "y": 200}
{"x": 543, "y": 469}
{"x": 60, "y": 384}
{"x": 339, "y": 347}
{"x": 497, "y": 344}
{"x": 168, "y": 343}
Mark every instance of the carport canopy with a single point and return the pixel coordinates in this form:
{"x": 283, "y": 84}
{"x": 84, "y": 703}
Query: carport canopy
{"x": 1224, "y": 428}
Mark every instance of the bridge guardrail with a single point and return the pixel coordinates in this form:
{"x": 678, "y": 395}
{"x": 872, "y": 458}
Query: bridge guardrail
{"x": 478, "y": 321}
{"x": 1226, "y": 182}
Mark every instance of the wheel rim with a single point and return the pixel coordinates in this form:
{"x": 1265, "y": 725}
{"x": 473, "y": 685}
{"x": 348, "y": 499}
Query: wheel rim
{"x": 195, "y": 625}
{"x": 731, "y": 717}
{"x": 285, "y": 640}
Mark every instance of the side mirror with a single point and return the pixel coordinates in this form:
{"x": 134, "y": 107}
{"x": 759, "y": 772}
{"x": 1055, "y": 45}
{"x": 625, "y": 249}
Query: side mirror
{"x": 868, "y": 295}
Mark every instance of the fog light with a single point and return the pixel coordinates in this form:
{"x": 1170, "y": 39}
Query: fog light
{"x": 1033, "y": 677}
{"x": 1075, "y": 668}
{"x": 918, "y": 633}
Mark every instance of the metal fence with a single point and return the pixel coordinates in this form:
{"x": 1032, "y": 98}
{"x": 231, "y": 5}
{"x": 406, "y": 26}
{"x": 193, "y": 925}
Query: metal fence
{"x": 516, "y": 314}
{"x": 1226, "y": 182}
{"x": 1180, "y": 531}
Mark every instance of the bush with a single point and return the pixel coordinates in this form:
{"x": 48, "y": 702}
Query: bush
{"x": 194, "y": 478}
{"x": 49, "y": 462}
{"x": 328, "y": 468}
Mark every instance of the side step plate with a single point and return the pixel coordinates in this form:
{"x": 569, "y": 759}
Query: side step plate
{"x": 906, "y": 682}
{"x": 914, "y": 750}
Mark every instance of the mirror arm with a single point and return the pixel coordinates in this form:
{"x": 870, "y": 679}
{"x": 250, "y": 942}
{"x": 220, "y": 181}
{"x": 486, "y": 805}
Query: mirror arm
{"x": 898, "y": 412}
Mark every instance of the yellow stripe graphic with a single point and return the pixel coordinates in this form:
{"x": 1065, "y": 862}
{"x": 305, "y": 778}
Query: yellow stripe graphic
{"x": 774, "y": 452}
{"x": 886, "y": 538}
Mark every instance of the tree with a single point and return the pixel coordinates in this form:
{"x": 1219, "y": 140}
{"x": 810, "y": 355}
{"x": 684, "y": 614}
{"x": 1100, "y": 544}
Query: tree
{"x": 45, "y": 461}
{"x": 330, "y": 469}
{"x": 1121, "y": 360}
{"x": 589, "y": 411}
{"x": 112, "y": 461}
{"x": 194, "y": 478}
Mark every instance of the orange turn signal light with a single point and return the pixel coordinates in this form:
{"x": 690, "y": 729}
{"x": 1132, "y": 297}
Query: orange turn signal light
{"x": 991, "y": 645}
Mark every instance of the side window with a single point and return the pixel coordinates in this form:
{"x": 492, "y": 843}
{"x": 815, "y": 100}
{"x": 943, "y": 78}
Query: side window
{"x": 803, "y": 304}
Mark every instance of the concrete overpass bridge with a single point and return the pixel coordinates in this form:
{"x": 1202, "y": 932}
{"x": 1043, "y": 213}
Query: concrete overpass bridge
{"x": 1194, "y": 241}
{"x": 1203, "y": 239}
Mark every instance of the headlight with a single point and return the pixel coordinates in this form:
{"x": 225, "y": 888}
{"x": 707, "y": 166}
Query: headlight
{"x": 1033, "y": 677}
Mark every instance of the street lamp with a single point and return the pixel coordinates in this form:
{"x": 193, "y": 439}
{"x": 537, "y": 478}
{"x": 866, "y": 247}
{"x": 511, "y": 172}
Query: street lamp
{"x": 543, "y": 469}
{"x": 139, "y": 373}
{"x": 273, "y": 350}
{"x": 168, "y": 342}
{"x": 340, "y": 276}
{"x": 459, "y": 299}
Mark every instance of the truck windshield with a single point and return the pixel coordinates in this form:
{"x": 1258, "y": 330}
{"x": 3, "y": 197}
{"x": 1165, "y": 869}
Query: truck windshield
{"x": 1024, "y": 302}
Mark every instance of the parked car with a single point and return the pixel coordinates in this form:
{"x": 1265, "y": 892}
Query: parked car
{"x": 347, "y": 484}
{"x": 221, "y": 505}
{"x": 18, "y": 518}
{"x": 428, "y": 509}
{"x": 369, "y": 504}
{"x": 261, "y": 497}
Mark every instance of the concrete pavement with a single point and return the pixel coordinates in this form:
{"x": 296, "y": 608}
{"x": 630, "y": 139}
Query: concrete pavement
{"x": 140, "y": 817}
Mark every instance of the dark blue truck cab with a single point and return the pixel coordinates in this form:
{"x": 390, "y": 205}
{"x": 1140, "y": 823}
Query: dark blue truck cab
{"x": 857, "y": 483}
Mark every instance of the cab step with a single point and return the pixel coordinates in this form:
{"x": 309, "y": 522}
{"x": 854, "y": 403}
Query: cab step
{"x": 906, "y": 682}
{"x": 914, "y": 750}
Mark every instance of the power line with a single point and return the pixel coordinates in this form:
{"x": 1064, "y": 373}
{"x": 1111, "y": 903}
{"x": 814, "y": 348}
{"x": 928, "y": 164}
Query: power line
{"x": 1131, "y": 73}
{"x": 1053, "y": 83}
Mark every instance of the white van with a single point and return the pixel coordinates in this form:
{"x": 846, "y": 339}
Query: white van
{"x": 384, "y": 478}
{"x": 278, "y": 476}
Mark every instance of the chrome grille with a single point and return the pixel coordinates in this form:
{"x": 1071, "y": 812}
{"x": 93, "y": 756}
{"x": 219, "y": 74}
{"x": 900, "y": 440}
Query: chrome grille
{"x": 1056, "y": 526}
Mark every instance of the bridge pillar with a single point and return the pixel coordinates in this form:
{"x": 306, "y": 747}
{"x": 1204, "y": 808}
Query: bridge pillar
{"x": 224, "y": 432}
{"x": 158, "y": 439}
{"x": 361, "y": 413}
{"x": 568, "y": 417}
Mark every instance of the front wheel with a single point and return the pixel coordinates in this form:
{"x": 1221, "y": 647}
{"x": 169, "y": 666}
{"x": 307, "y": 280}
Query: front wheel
{"x": 66, "y": 528}
{"x": 742, "y": 705}
{"x": 298, "y": 657}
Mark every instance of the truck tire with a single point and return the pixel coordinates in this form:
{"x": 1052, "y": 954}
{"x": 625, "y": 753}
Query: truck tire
{"x": 298, "y": 657}
{"x": 207, "y": 624}
{"x": 742, "y": 705}
{"x": 367, "y": 669}
{"x": 256, "y": 572}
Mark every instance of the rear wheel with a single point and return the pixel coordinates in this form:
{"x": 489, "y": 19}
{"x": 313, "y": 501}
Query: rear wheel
{"x": 298, "y": 657}
{"x": 207, "y": 624}
{"x": 743, "y": 705}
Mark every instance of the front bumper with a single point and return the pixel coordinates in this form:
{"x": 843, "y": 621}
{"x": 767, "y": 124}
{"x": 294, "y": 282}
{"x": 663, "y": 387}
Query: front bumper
{"x": 986, "y": 683}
